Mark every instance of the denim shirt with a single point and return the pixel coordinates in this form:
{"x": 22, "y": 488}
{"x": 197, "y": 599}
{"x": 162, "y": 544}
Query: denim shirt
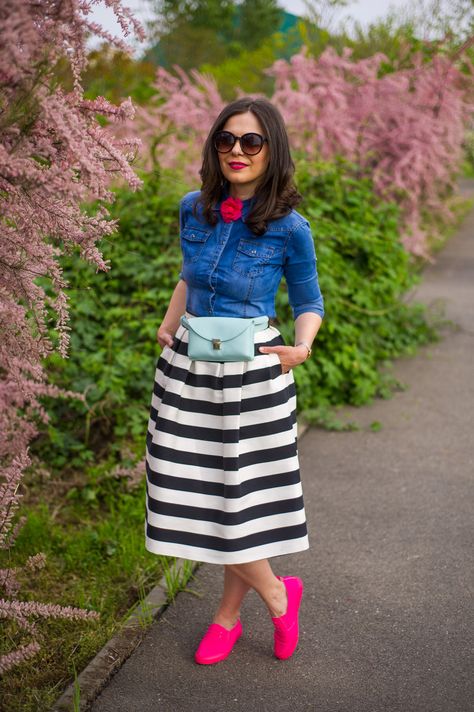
{"x": 230, "y": 271}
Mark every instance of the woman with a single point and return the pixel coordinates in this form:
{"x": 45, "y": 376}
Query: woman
{"x": 223, "y": 482}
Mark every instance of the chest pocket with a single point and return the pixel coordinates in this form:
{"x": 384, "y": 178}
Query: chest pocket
{"x": 251, "y": 257}
{"x": 193, "y": 240}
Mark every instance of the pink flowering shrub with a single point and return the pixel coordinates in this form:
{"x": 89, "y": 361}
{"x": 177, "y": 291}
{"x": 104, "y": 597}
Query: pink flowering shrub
{"x": 174, "y": 127}
{"x": 404, "y": 128}
{"x": 54, "y": 156}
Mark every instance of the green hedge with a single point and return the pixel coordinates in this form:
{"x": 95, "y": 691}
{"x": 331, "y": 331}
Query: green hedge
{"x": 364, "y": 274}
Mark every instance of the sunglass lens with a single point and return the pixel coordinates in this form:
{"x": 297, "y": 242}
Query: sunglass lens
{"x": 251, "y": 143}
{"x": 223, "y": 141}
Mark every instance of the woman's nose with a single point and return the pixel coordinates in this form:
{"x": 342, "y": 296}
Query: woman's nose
{"x": 237, "y": 149}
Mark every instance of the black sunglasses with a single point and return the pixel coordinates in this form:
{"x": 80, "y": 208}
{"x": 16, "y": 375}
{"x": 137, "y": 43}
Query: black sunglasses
{"x": 250, "y": 143}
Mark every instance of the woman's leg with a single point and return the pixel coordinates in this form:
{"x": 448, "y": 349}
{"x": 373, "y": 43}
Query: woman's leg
{"x": 259, "y": 575}
{"x": 238, "y": 579}
{"x": 235, "y": 589}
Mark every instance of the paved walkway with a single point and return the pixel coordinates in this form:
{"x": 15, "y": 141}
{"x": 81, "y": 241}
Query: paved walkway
{"x": 386, "y": 619}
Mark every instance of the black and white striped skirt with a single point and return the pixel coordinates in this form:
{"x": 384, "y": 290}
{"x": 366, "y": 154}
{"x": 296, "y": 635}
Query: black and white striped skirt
{"x": 222, "y": 472}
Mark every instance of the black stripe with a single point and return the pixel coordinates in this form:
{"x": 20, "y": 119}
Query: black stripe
{"x": 217, "y": 383}
{"x": 193, "y": 432}
{"x": 271, "y": 427}
{"x": 205, "y": 541}
{"x": 205, "y": 514}
{"x": 232, "y": 464}
{"x": 194, "y": 405}
{"x": 218, "y": 489}
{"x": 263, "y": 401}
{"x": 217, "y": 435}
{"x": 153, "y": 416}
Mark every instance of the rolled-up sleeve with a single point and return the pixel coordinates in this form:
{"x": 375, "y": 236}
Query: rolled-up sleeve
{"x": 301, "y": 274}
{"x": 181, "y": 225}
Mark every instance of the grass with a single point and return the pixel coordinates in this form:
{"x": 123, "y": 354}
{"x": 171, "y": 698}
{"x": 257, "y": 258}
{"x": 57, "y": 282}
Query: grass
{"x": 95, "y": 560}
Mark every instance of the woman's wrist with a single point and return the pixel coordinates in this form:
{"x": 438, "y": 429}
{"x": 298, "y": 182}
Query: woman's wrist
{"x": 303, "y": 345}
{"x": 169, "y": 326}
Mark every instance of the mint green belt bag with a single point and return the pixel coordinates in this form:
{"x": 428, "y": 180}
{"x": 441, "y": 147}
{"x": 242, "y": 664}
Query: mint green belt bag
{"x": 222, "y": 338}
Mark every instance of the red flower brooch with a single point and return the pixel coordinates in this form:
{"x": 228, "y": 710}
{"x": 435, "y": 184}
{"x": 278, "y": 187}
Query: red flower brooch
{"x": 231, "y": 209}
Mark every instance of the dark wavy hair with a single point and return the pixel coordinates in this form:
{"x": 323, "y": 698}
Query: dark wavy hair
{"x": 276, "y": 193}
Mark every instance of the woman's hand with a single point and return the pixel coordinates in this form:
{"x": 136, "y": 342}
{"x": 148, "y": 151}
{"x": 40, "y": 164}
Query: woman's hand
{"x": 164, "y": 336}
{"x": 171, "y": 320}
{"x": 290, "y": 356}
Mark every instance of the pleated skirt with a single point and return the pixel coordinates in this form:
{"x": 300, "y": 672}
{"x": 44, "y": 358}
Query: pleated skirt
{"x": 222, "y": 473}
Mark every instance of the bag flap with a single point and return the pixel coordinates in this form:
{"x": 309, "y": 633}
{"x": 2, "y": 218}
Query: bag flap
{"x": 218, "y": 327}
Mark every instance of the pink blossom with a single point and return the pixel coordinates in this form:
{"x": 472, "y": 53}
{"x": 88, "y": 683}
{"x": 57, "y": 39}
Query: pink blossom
{"x": 405, "y": 128}
{"x": 54, "y": 157}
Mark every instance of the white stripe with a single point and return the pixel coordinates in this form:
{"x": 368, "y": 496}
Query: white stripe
{"x": 203, "y": 420}
{"x": 230, "y": 477}
{"x": 155, "y": 401}
{"x": 264, "y": 442}
{"x": 215, "y": 368}
{"x": 229, "y": 531}
{"x": 227, "y": 422}
{"x": 211, "y": 556}
{"x": 226, "y": 395}
{"x": 209, "y": 501}
{"x": 209, "y": 447}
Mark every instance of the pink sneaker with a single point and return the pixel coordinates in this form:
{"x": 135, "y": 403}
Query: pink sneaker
{"x": 286, "y": 626}
{"x": 217, "y": 643}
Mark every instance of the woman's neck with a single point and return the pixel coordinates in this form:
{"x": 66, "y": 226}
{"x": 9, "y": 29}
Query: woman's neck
{"x": 243, "y": 194}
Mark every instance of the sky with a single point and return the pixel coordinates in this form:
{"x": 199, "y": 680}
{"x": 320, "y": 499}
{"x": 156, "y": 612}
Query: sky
{"x": 361, "y": 10}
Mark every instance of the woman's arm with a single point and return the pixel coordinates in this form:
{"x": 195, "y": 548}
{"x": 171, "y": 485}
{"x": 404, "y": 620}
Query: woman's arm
{"x": 170, "y": 323}
{"x": 304, "y": 296}
{"x": 306, "y": 327}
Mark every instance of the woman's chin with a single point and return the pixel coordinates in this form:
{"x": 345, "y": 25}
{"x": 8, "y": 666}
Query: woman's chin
{"x": 236, "y": 177}
{"x": 239, "y": 179}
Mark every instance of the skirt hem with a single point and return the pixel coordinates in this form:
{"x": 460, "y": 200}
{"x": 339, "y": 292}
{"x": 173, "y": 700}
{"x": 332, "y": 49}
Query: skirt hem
{"x": 210, "y": 556}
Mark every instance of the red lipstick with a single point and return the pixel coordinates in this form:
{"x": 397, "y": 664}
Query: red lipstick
{"x": 236, "y": 166}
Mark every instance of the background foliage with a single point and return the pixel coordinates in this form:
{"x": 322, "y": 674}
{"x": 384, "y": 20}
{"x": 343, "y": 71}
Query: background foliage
{"x": 364, "y": 274}
{"x": 191, "y": 32}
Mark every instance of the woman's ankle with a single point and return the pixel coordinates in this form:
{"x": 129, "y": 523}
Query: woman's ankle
{"x": 277, "y": 602}
{"x": 226, "y": 619}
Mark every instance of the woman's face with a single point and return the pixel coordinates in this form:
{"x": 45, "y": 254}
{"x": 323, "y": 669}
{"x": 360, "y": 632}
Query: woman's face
{"x": 241, "y": 170}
